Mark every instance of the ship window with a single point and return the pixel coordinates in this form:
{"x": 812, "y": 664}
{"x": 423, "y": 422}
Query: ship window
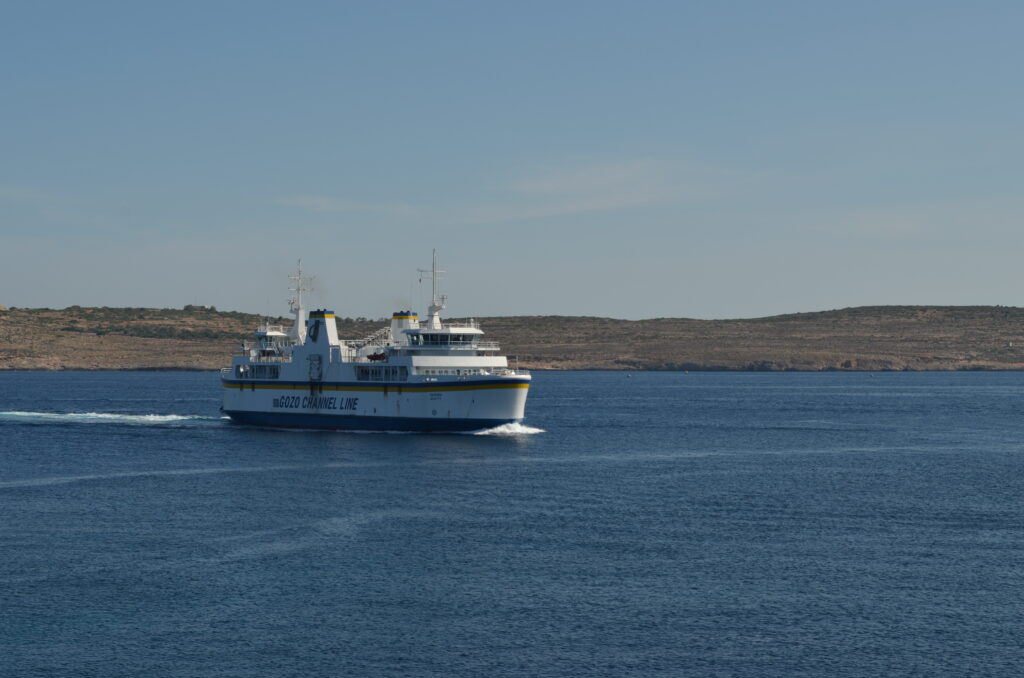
{"x": 437, "y": 339}
{"x": 258, "y": 372}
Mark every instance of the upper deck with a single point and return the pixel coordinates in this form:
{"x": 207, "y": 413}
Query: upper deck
{"x": 430, "y": 344}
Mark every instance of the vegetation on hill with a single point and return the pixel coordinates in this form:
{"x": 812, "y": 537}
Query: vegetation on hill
{"x": 864, "y": 338}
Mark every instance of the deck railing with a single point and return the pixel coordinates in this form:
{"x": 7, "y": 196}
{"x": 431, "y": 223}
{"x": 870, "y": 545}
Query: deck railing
{"x": 470, "y": 322}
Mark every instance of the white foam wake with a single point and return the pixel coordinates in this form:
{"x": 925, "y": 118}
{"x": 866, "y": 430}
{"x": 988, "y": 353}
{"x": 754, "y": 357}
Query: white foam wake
{"x": 104, "y": 417}
{"x": 513, "y": 429}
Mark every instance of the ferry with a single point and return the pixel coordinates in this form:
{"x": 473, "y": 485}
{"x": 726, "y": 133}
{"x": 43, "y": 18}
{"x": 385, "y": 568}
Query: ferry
{"x": 410, "y": 375}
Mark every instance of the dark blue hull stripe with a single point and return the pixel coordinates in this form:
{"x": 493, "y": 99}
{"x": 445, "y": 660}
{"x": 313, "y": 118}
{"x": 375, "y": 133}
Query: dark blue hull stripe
{"x": 351, "y": 422}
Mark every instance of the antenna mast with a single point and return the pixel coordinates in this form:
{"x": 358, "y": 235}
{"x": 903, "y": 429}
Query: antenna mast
{"x": 436, "y": 303}
{"x": 434, "y": 272}
{"x": 300, "y": 285}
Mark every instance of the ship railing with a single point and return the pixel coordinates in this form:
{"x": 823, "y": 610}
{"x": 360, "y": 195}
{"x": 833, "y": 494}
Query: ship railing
{"x": 379, "y": 338}
{"x": 225, "y": 372}
{"x": 460, "y": 349}
{"x": 507, "y": 372}
{"x": 247, "y": 344}
{"x": 469, "y": 322}
{"x": 456, "y": 345}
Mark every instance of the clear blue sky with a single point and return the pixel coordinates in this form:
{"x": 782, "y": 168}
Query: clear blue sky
{"x": 627, "y": 159}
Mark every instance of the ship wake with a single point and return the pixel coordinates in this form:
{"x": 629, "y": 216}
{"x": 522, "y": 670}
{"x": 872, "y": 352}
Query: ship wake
{"x": 513, "y": 429}
{"x": 106, "y": 418}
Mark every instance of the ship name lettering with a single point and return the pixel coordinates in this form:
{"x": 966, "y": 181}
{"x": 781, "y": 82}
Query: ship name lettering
{"x": 319, "y": 402}
{"x": 316, "y": 402}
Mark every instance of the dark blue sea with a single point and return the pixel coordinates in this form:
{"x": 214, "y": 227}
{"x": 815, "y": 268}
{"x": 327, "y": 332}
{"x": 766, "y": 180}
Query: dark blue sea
{"x": 653, "y": 524}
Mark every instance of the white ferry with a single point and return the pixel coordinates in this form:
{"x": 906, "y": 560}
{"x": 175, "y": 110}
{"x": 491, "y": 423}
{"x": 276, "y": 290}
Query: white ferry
{"x": 411, "y": 375}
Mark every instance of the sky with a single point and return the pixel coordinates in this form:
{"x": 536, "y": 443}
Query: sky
{"x": 620, "y": 159}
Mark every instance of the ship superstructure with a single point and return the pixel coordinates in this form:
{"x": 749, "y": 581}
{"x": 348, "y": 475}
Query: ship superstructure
{"x": 411, "y": 375}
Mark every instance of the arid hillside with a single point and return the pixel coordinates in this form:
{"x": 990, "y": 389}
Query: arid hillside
{"x": 865, "y": 338}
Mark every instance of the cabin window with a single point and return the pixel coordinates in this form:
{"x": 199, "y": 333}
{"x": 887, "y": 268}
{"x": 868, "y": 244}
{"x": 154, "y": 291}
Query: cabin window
{"x": 258, "y": 371}
{"x": 398, "y": 373}
{"x": 436, "y": 339}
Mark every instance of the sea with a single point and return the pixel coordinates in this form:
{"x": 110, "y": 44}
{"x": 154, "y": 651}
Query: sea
{"x": 636, "y": 524}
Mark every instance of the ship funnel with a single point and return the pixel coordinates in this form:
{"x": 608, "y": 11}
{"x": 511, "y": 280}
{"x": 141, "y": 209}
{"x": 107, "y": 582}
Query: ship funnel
{"x": 321, "y": 328}
{"x": 403, "y": 320}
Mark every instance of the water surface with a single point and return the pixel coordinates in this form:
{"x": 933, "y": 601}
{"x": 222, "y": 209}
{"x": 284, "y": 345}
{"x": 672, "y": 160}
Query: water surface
{"x": 660, "y": 524}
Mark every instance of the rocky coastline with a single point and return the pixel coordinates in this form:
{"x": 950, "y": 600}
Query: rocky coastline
{"x": 853, "y": 339}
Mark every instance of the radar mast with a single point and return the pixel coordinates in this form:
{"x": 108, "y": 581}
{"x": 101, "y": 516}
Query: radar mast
{"x": 300, "y": 284}
{"x": 437, "y": 304}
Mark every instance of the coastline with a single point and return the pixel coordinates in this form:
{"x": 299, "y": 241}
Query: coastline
{"x": 863, "y": 339}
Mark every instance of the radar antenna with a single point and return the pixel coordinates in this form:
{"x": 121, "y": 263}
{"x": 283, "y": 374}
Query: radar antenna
{"x": 435, "y": 274}
{"x": 436, "y": 303}
{"x": 300, "y": 284}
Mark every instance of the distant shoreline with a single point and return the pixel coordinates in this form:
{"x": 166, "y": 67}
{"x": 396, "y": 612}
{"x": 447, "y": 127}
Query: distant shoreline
{"x": 862, "y": 339}
{"x": 215, "y": 370}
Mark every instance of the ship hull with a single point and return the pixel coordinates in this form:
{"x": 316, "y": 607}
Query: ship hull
{"x": 336, "y": 422}
{"x": 440, "y": 405}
